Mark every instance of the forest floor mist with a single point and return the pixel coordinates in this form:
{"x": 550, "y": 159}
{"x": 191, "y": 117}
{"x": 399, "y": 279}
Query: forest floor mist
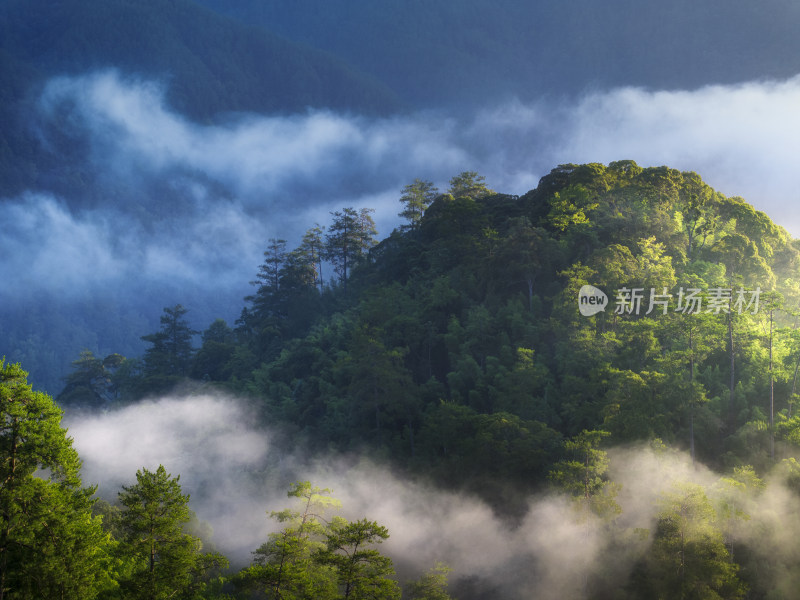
{"x": 237, "y": 472}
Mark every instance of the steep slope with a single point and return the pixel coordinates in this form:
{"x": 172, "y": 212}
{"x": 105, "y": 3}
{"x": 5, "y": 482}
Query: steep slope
{"x": 458, "y": 347}
{"x": 213, "y": 63}
{"x": 470, "y": 323}
{"x": 479, "y": 49}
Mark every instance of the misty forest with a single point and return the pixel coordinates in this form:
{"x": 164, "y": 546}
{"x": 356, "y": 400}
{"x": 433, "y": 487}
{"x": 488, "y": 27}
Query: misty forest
{"x": 377, "y": 300}
{"x": 452, "y": 353}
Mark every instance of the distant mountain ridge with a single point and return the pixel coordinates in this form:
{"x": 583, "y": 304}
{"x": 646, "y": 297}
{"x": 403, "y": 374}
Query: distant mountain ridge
{"x": 214, "y": 63}
{"x": 472, "y": 51}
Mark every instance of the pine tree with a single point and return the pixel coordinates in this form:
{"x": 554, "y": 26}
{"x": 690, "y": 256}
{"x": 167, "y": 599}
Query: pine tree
{"x": 432, "y": 585}
{"x": 362, "y": 572}
{"x": 349, "y": 237}
{"x": 91, "y": 382}
{"x": 416, "y": 198}
{"x": 284, "y": 567}
{"x": 688, "y": 558}
{"x": 312, "y": 250}
{"x": 167, "y": 561}
{"x": 171, "y": 351}
{"x": 469, "y": 184}
{"x": 50, "y": 545}
{"x": 269, "y": 272}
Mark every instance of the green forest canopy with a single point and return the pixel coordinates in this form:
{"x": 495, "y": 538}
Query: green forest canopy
{"x": 469, "y": 314}
{"x": 455, "y": 348}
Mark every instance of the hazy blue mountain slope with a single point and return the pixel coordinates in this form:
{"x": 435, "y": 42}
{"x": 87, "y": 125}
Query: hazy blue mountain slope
{"x": 476, "y": 49}
{"x": 210, "y": 63}
{"x": 213, "y": 63}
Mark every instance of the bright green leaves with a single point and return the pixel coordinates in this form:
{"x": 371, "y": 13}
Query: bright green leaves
{"x": 432, "y": 585}
{"x": 649, "y": 267}
{"x": 569, "y": 208}
{"x": 284, "y": 566}
{"x": 315, "y": 557}
{"x": 742, "y": 260}
{"x": 469, "y": 184}
{"x": 654, "y": 265}
{"x": 696, "y": 210}
{"x": 50, "y": 545}
{"x": 30, "y": 429}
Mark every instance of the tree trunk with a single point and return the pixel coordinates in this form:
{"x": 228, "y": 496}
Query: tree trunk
{"x": 771, "y": 395}
{"x": 691, "y": 393}
{"x": 794, "y": 384}
{"x": 7, "y": 510}
{"x": 733, "y": 375}
{"x": 530, "y": 294}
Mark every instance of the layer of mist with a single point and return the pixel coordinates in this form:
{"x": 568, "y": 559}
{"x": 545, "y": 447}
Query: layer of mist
{"x": 226, "y": 187}
{"x": 236, "y": 473}
{"x": 247, "y": 177}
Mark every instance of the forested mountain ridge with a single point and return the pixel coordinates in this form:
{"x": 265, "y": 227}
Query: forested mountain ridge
{"x": 464, "y": 325}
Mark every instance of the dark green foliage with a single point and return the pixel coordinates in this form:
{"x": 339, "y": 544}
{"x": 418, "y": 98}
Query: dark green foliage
{"x": 212, "y": 361}
{"x": 169, "y": 358}
{"x": 467, "y": 321}
{"x": 465, "y": 448}
{"x": 349, "y": 237}
{"x": 91, "y": 384}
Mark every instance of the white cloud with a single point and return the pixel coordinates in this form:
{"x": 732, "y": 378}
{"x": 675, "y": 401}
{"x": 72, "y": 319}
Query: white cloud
{"x": 742, "y": 139}
{"x": 206, "y": 440}
{"x": 235, "y": 475}
{"x": 196, "y": 203}
{"x": 45, "y": 245}
{"x": 130, "y": 124}
{"x": 50, "y": 247}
